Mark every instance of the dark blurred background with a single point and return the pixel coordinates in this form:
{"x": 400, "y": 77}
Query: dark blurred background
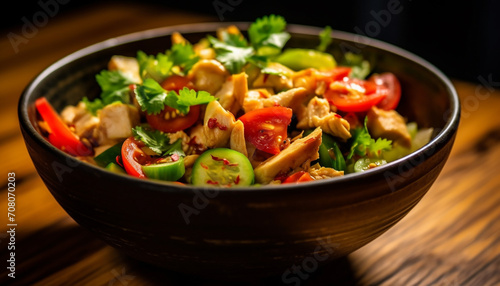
{"x": 462, "y": 38}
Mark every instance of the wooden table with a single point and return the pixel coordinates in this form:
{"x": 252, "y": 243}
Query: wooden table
{"x": 452, "y": 237}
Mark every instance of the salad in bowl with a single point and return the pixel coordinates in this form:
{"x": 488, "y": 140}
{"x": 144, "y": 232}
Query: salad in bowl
{"x": 237, "y": 109}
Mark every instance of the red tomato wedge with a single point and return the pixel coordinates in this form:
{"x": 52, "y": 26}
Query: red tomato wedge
{"x": 169, "y": 120}
{"x": 266, "y": 128}
{"x": 354, "y": 95}
{"x": 300, "y": 176}
{"x": 387, "y": 83}
{"x": 335, "y": 74}
{"x": 60, "y": 135}
{"x": 133, "y": 157}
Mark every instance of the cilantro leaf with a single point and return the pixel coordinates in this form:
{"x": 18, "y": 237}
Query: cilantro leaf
{"x": 153, "y": 98}
{"x": 268, "y": 31}
{"x": 363, "y": 144}
{"x": 154, "y": 139}
{"x": 186, "y": 98}
{"x": 114, "y": 86}
{"x": 232, "y": 57}
{"x": 179, "y": 59}
{"x": 325, "y": 39}
{"x": 183, "y": 56}
{"x": 156, "y": 67}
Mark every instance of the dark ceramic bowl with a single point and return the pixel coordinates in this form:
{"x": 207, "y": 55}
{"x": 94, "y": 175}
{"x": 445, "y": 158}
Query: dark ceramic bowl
{"x": 232, "y": 232}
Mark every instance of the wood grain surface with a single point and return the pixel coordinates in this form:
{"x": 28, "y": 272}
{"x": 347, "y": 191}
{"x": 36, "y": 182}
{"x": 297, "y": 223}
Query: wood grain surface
{"x": 452, "y": 237}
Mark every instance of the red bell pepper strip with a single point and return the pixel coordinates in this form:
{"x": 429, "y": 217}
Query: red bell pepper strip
{"x": 59, "y": 134}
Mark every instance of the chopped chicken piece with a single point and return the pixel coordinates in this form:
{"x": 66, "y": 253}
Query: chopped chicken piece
{"x": 318, "y": 114}
{"x": 233, "y": 92}
{"x": 116, "y": 122}
{"x": 203, "y": 49}
{"x": 293, "y": 98}
{"x": 208, "y": 75}
{"x": 80, "y": 119}
{"x": 278, "y": 82}
{"x": 388, "y": 124}
{"x": 237, "y": 141}
{"x": 318, "y": 172}
{"x": 72, "y": 113}
{"x": 218, "y": 124}
{"x": 127, "y": 65}
{"x": 180, "y": 135}
{"x": 231, "y": 29}
{"x": 298, "y": 152}
{"x": 85, "y": 125}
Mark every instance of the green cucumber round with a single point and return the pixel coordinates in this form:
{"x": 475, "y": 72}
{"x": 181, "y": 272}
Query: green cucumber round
{"x": 222, "y": 167}
{"x": 171, "y": 171}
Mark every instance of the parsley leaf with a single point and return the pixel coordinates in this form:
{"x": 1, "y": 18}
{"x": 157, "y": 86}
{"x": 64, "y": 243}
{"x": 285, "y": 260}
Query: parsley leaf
{"x": 158, "y": 141}
{"x": 363, "y": 144}
{"x": 153, "y": 98}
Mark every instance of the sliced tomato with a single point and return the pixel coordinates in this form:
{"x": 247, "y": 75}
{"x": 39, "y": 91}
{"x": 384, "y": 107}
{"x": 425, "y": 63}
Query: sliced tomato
{"x": 266, "y": 128}
{"x": 169, "y": 120}
{"x": 133, "y": 157}
{"x": 335, "y": 74}
{"x": 389, "y": 84}
{"x": 354, "y": 95}
{"x": 298, "y": 177}
{"x": 60, "y": 135}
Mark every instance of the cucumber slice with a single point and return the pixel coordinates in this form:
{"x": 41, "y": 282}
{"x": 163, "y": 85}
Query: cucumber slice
{"x": 109, "y": 155}
{"x": 171, "y": 171}
{"x": 115, "y": 168}
{"x": 364, "y": 164}
{"x": 222, "y": 167}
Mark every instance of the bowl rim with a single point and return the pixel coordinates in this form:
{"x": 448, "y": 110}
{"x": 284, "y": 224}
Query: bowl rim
{"x": 443, "y": 136}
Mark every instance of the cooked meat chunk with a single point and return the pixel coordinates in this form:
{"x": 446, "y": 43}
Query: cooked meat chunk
{"x": 116, "y": 122}
{"x": 318, "y": 114}
{"x": 388, "y": 124}
{"x": 208, "y": 75}
{"x": 127, "y": 65}
{"x": 300, "y": 151}
{"x": 217, "y": 125}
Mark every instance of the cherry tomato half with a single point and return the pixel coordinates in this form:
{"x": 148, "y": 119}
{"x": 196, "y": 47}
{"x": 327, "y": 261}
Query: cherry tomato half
{"x": 266, "y": 128}
{"x": 170, "y": 120}
{"x": 387, "y": 82}
{"x": 133, "y": 157}
{"x": 366, "y": 94}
